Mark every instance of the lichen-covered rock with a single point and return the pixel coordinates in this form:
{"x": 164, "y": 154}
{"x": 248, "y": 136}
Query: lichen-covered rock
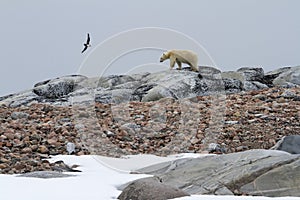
{"x": 57, "y": 88}
{"x": 288, "y": 77}
{"x": 252, "y": 73}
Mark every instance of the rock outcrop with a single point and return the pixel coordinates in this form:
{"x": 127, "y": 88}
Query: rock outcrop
{"x": 254, "y": 172}
{"x": 164, "y": 113}
{"x": 290, "y": 144}
{"x": 59, "y": 87}
{"x": 152, "y": 86}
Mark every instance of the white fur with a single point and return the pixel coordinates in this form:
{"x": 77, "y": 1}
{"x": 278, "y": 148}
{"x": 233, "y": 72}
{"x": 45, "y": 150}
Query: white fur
{"x": 181, "y": 56}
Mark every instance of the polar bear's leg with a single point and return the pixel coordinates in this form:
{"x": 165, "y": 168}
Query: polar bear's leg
{"x": 195, "y": 69}
{"x": 179, "y": 64}
{"x": 172, "y": 62}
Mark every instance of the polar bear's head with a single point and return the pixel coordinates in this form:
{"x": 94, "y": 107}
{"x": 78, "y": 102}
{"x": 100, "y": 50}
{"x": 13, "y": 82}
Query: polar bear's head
{"x": 164, "y": 57}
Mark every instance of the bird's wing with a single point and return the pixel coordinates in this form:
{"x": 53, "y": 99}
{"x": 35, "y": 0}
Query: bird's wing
{"x": 85, "y": 47}
{"x": 88, "y": 39}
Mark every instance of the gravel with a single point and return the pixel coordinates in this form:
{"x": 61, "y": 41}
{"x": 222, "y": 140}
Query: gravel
{"x": 237, "y": 122}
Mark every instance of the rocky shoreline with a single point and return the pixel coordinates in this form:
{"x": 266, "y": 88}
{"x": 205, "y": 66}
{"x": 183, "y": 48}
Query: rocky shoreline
{"x": 252, "y": 110}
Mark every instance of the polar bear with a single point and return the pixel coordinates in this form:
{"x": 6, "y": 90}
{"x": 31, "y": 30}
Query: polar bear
{"x": 181, "y": 56}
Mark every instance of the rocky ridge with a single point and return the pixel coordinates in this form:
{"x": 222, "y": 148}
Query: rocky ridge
{"x": 161, "y": 113}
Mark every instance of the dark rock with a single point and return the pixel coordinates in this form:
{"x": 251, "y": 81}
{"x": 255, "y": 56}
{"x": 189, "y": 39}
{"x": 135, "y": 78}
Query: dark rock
{"x": 216, "y": 148}
{"x": 252, "y": 73}
{"x": 150, "y": 188}
{"x": 232, "y": 85}
{"x": 249, "y": 78}
{"x": 290, "y": 144}
{"x": 59, "y": 87}
{"x": 60, "y": 166}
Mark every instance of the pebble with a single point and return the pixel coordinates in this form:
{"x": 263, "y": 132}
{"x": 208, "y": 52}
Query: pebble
{"x": 248, "y": 122}
{"x": 231, "y": 122}
{"x": 43, "y": 149}
{"x": 19, "y": 115}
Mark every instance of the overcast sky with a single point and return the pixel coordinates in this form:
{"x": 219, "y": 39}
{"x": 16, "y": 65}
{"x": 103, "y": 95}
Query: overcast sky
{"x": 43, "y": 39}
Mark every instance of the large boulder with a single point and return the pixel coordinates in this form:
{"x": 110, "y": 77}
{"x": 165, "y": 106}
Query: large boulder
{"x": 289, "y": 144}
{"x": 270, "y": 76}
{"x": 288, "y": 77}
{"x": 150, "y": 188}
{"x": 279, "y": 182}
{"x": 59, "y": 87}
{"x": 232, "y": 173}
{"x": 178, "y": 84}
{"x": 232, "y": 85}
{"x": 209, "y": 72}
{"x": 252, "y": 73}
{"x": 251, "y": 78}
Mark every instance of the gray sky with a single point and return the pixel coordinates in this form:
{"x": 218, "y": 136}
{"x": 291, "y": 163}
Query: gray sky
{"x": 43, "y": 39}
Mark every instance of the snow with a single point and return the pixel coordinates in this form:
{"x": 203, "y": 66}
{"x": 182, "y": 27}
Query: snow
{"x": 99, "y": 179}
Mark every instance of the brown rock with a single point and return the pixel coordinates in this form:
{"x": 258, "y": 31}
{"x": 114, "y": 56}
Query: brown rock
{"x": 43, "y": 149}
{"x": 3, "y": 166}
{"x": 52, "y": 141}
{"x": 19, "y": 166}
{"x": 26, "y": 150}
{"x": 8, "y": 144}
{"x": 9, "y": 136}
{"x": 34, "y": 147}
{"x": 4, "y": 160}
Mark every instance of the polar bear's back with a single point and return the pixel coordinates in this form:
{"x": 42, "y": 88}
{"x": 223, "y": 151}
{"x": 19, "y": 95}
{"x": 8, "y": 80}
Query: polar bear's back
{"x": 186, "y": 55}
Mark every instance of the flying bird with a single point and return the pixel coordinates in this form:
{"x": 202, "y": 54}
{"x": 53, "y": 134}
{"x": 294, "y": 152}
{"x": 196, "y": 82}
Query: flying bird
{"x": 87, "y": 44}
